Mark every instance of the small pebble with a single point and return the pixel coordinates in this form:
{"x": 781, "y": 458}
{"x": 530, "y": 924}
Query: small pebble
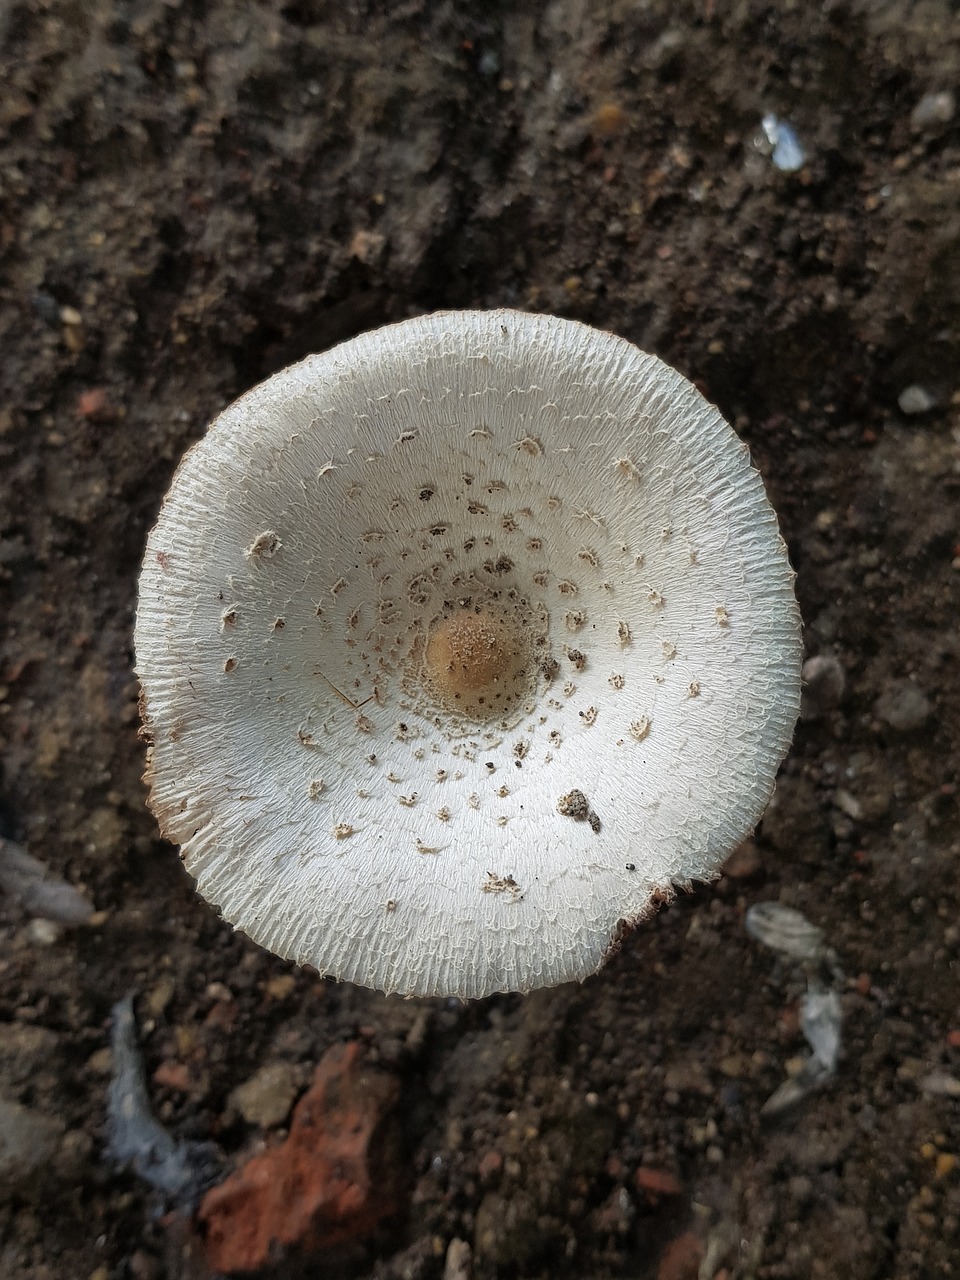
{"x": 100, "y": 1062}
{"x": 45, "y": 307}
{"x": 143, "y": 1266}
{"x": 744, "y": 863}
{"x": 43, "y": 933}
{"x": 733, "y": 1065}
{"x": 456, "y": 1265}
{"x": 173, "y": 1075}
{"x": 94, "y": 405}
{"x": 608, "y": 120}
{"x": 801, "y": 1188}
{"x": 28, "y": 1145}
{"x": 157, "y": 999}
{"x": 266, "y": 1098}
{"x": 490, "y": 1166}
{"x": 73, "y": 338}
{"x": 848, "y": 804}
{"x": 903, "y": 706}
{"x": 934, "y": 109}
{"x": 940, "y": 1084}
{"x": 280, "y": 986}
{"x": 916, "y": 399}
{"x": 823, "y": 685}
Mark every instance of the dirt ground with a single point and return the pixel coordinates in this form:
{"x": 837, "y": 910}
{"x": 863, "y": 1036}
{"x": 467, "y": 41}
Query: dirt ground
{"x": 193, "y": 195}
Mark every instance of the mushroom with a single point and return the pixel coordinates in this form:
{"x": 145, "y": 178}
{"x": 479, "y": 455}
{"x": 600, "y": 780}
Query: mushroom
{"x": 462, "y": 645}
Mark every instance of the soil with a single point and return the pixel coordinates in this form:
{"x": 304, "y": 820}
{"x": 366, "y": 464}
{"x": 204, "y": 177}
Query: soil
{"x": 193, "y": 195}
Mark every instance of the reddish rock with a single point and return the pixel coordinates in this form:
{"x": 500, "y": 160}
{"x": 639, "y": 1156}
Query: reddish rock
{"x": 656, "y": 1184}
{"x": 174, "y": 1075}
{"x": 94, "y": 404}
{"x": 222, "y": 1015}
{"x": 681, "y": 1258}
{"x": 491, "y": 1162}
{"x": 329, "y": 1183}
{"x": 789, "y": 1021}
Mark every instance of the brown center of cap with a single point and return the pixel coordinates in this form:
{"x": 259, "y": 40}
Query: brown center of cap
{"x": 475, "y": 660}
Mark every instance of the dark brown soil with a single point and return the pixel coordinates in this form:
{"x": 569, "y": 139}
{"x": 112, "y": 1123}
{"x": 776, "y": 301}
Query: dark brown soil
{"x": 194, "y": 194}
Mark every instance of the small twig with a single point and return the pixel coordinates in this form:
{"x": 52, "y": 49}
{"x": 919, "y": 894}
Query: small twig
{"x": 349, "y": 701}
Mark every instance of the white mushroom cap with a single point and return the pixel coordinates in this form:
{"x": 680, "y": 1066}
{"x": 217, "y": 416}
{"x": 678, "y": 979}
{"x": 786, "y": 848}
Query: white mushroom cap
{"x": 460, "y": 645}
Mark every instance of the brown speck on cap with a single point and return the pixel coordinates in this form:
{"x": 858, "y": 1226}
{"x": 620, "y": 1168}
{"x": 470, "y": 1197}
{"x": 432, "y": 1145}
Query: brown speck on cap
{"x": 530, "y": 445}
{"x": 640, "y": 728}
{"x": 264, "y": 546}
{"x": 500, "y": 884}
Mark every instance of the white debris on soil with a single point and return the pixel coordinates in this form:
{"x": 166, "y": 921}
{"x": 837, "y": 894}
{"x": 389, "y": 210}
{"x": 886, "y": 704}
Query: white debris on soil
{"x": 788, "y": 155}
{"x": 182, "y": 1171}
{"x": 785, "y": 930}
{"x": 38, "y": 890}
{"x": 820, "y": 1019}
{"x": 789, "y": 932}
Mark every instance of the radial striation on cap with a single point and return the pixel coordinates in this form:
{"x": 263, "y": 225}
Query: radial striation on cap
{"x": 404, "y": 599}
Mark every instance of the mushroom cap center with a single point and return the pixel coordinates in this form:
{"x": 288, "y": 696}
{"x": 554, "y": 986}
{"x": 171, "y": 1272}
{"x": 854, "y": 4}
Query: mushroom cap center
{"x": 475, "y": 659}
